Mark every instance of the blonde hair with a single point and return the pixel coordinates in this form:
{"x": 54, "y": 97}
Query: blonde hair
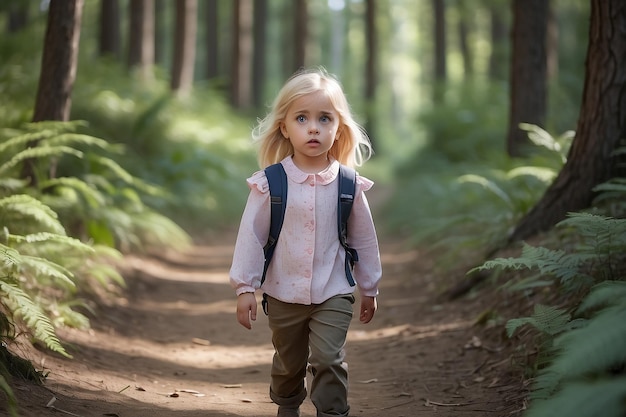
{"x": 352, "y": 146}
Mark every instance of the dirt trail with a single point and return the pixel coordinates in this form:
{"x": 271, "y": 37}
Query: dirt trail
{"x": 172, "y": 347}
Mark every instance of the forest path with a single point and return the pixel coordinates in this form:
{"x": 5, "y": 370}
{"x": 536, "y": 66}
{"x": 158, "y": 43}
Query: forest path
{"x": 171, "y": 346}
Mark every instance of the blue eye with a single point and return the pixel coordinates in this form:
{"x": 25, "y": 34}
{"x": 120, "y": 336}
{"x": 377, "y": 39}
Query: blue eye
{"x": 325, "y": 119}
{"x": 301, "y": 119}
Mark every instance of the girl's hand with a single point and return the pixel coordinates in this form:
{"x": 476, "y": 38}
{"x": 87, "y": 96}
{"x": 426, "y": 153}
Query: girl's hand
{"x": 368, "y": 308}
{"x": 246, "y": 309}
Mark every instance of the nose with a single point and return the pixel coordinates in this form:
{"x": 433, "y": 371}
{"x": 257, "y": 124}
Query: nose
{"x": 313, "y": 128}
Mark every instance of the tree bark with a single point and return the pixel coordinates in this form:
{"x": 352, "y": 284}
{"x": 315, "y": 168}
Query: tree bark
{"x": 59, "y": 61}
{"x": 141, "y": 37}
{"x": 300, "y": 34}
{"x": 528, "y": 71}
{"x": 464, "y": 29}
{"x": 17, "y": 16}
{"x": 109, "y": 37}
{"x": 184, "y": 46}
{"x": 498, "y": 63}
{"x": 601, "y": 124}
{"x": 439, "y": 14}
{"x": 260, "y": 30}
{"x": 58, "y": 70}
{"x": 212, "y": 39}
{"x": 241, "y": 91}
{"x": 371, "y": 73}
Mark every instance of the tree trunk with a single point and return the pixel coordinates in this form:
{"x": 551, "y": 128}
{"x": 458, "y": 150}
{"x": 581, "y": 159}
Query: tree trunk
{"x": 528, "y": 71}
{"x": 212, "y": 39}
{"x": 161, "y": 37}
{"x": 141, "y": 38}
{"x": 184, "y": 46}
{"x": 300, "y": 34}
{"x": 109, "y": 39}
{"x": 601, "y": 124}
{"x": 439, "y": 11}
{"x": 371, "y": 73}
{"x": 498, "y": 62}
{"x": 58, "y": 69}
{"x": 260, "y": 30}
{"x": 18, "y": 16}
{"x": 466, "y": 53}
{"x": 241, "y": 90}
{"x": 59, "y": 61}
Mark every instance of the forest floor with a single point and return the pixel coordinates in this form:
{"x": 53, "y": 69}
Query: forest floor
{"x": 171, "y": 346}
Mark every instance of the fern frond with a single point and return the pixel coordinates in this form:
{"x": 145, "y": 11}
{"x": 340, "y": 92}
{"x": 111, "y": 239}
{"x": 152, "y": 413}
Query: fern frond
{"x": 9, "y": 257}
{"x": 488, "y": 185}
{"x": 55, "y": 126}
{"x": 604, "y": 233}
{"x": 545, "y": 175}
{"x": 65, "y": 315}
{"x": 115, "y": 168}
{"x": 12, "y": 185}
{"x": 77, "y": 139}
{"x": 23, "y": 306}
{"x": 547, "y": 319}
{"x": 595, "y": 348}
{"x": 125, "y": 176}
{"x": 90, "y": 195}
{"x": 22, "y": 141}
{"x": 23, "y": 205}
{"x": 38, "y": 152}
{"x": 43, "y": 267}
{"x": 593, "y": 398}
{"x": 617, "y": 185}
{"x": 604, "y": 294}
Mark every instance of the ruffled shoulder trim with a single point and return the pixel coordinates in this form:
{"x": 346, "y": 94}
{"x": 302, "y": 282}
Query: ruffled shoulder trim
{"x": 363, "y": 184}
{"x": 259, "y": 181}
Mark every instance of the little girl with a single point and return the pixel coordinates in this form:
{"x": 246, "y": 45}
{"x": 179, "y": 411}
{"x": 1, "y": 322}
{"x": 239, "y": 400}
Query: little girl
{"x": 310, "y": 130}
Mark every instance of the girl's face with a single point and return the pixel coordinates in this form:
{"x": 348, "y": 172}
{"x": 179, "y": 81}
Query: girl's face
{"x": 311, "y": 125}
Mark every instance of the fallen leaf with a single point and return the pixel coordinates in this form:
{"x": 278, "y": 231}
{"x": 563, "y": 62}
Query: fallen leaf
{"x": 368, "y": 381}
{"x": 202, "y": 342}
{"x": 232, "y": 386}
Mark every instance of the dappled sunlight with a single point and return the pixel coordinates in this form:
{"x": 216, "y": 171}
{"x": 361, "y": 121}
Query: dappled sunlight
{"x": 408, "y": 332}
{"x": 166, "y": 271}
{"x": 192, "y": 352}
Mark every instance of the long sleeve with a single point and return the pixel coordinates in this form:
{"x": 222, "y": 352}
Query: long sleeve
{"x": 362, "y": 237}
{"x": 248, "y": 257}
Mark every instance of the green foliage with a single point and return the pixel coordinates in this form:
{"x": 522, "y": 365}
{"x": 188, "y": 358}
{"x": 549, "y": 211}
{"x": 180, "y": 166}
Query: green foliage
{"x": 469, "y": 209}
{"x": 195, "y": 149}
{"x": 586, "y": 356}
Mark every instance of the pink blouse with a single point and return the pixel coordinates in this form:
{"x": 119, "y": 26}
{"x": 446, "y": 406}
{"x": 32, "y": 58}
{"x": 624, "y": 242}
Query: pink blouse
{"x": 308, "y": 263}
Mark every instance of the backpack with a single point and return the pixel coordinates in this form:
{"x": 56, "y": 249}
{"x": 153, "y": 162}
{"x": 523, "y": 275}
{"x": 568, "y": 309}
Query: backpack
{"x": 277, "y": 179}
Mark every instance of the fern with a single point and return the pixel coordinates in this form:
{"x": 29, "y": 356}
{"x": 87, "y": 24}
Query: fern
{"x": 604, "y": 294}
{"x": 603, "y": 397}
{"x": 90, "y": 195}
{"x": 20, "y": 205}
{"x": 38, "y": 152}
{"x": 34, "y": 317}
{"x": 595, "y": 348}
{"x": 546, "y": 319}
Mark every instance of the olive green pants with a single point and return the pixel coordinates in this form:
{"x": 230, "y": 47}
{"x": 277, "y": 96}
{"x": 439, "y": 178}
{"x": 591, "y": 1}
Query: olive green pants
{"x": 314, "y": 334}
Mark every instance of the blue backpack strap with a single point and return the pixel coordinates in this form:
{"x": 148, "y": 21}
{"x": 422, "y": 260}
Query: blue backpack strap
{"x": 347, "y": 190}
{"x": 277, "y": 179}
